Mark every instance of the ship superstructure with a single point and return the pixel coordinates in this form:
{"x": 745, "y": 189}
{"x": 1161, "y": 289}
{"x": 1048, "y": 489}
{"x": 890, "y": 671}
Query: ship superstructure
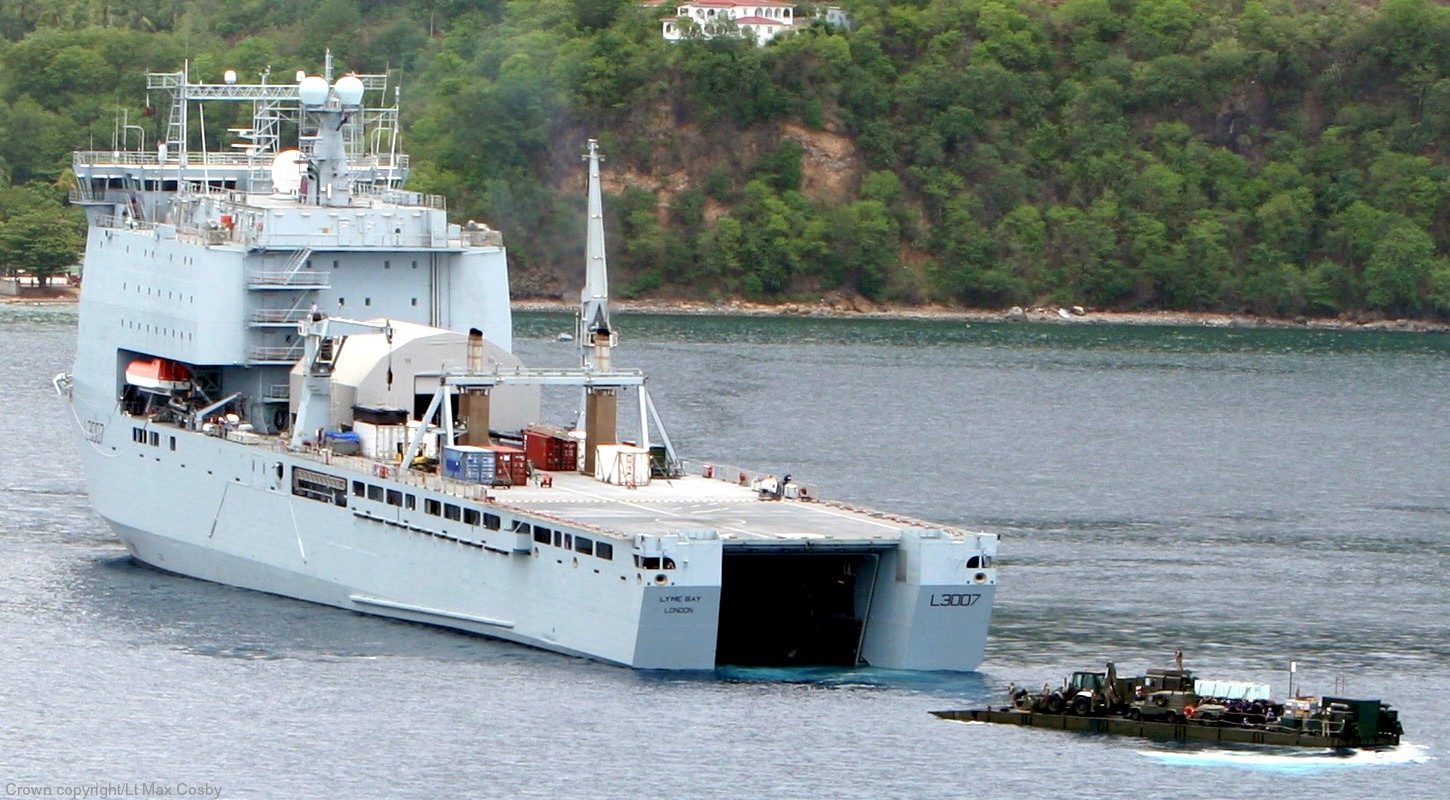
{"x": 295, "y": 376}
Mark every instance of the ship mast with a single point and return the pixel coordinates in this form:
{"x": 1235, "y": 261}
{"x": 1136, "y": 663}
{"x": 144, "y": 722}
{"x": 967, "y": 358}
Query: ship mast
{"x": 595, "y": 335}
{"x": 599, "y": 407}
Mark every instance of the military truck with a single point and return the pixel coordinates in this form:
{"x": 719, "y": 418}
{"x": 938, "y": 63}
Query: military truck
{"x": 1163, "y": 695}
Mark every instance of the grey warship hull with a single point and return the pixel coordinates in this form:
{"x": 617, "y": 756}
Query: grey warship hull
{"x": 246, "y": 314}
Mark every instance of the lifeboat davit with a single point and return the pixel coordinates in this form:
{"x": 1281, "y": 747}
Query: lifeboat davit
{"x": 158, "y": 374}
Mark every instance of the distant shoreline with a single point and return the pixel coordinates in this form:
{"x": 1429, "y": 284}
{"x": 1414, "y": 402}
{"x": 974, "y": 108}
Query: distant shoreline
{"x": 737, "y": 308}
{"x": 58, "y": 295}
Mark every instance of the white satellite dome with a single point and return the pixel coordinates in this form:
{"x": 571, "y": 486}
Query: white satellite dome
{"x": 313, "y": 90}
{"x": 288, "y": 167}
{"x": 349, "y": 90}
{"x": 229, "y": 77}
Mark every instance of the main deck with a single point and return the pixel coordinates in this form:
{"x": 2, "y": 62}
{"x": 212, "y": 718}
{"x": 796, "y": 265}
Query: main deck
{"x": 742, "y": 519}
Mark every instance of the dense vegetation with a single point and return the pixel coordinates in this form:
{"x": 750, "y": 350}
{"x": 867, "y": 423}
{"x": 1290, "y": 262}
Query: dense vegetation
{"x": 1265, "y": 156}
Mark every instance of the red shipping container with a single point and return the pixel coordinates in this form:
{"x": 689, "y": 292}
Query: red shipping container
{"x": 510, "y": 465}
{"x": 551, "y": 450}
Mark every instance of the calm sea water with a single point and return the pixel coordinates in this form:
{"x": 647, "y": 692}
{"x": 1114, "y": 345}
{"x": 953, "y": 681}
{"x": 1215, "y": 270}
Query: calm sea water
{"x": 1249, "y": 496}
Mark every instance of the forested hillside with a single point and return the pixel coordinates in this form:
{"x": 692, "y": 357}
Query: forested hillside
{"x": 1272, "y": 157}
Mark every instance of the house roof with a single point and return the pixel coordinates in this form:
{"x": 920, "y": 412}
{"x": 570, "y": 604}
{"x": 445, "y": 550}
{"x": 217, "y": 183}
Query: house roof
{"x": 735, "y": 4}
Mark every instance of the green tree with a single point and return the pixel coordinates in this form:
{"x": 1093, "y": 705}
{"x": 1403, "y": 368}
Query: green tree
{"x": 42, "y": 241}
{"x": 1397, "y": 275}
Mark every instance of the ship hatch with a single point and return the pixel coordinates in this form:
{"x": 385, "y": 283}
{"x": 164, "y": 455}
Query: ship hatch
{"x": 793, "y": 609}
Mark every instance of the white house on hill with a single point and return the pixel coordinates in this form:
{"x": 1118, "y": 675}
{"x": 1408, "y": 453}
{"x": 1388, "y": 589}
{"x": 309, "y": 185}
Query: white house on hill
{"x": 765, "y": 18}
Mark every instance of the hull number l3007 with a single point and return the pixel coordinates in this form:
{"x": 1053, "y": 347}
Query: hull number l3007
{"x": 957, "y": 600}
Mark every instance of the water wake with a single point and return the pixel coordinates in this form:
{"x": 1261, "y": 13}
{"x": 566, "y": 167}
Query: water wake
{"x": 1309, "y": 761}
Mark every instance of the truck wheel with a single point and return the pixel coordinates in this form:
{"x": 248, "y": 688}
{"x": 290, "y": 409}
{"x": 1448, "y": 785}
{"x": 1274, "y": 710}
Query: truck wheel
{"x": 1082, "y": 706}
{"x": 1135, "y": 714}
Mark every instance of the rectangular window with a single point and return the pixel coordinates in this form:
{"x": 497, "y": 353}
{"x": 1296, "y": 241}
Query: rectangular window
{"x": 541, "y": 535}
{"x": 470, "y": 516}
{"x": 568, "y": 541}
{"x": 155, "y": 439}
{"x": 431, "y": 506}
{"x": 558, "y": 538}
{"x": 582, "y": 545}
{"x": 375, "y": 492}
{"x": 604, "y": 550}
{"x": 452, "y": 512}
{"x": 358, "y": 490}
{"x": 173, "y": 444}
{"x": 410, "y": 502}
{"x": 395, "y": 497}
{"x": 491, "y": 521}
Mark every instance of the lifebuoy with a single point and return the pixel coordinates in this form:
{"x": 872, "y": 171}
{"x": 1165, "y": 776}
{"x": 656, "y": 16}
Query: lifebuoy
{"x": 1189, "y": 711}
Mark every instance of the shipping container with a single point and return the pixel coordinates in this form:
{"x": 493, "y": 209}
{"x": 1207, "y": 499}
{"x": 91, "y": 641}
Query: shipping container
{"x": 551, "y": 448}
{"x": 381, "y": 441}
{"x": 468, "y": 463}
{"x": 510, "y": 465}
{"x": 622, "y": 464}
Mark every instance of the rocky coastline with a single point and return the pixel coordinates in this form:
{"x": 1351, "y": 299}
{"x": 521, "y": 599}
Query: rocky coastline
{"x": 859, "y": 308}
{"x": 1075, "y": 315}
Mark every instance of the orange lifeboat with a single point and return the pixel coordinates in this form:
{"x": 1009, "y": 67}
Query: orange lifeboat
{"x": 158, "y": 374}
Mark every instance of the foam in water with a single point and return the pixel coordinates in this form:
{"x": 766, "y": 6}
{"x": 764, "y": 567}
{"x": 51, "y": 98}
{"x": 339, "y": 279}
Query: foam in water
{"x": 1405, "y": 753}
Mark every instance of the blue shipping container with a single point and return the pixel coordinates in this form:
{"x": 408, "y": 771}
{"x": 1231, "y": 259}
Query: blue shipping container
{"x": 468, "y": 463}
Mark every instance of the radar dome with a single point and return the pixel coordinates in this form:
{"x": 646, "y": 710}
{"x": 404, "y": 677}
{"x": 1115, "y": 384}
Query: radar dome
{"x": 229, "y": 77}
{"x": 313, "y": 90}
{"x": 288, "y": 167}
{"x": 349, "y": 90}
